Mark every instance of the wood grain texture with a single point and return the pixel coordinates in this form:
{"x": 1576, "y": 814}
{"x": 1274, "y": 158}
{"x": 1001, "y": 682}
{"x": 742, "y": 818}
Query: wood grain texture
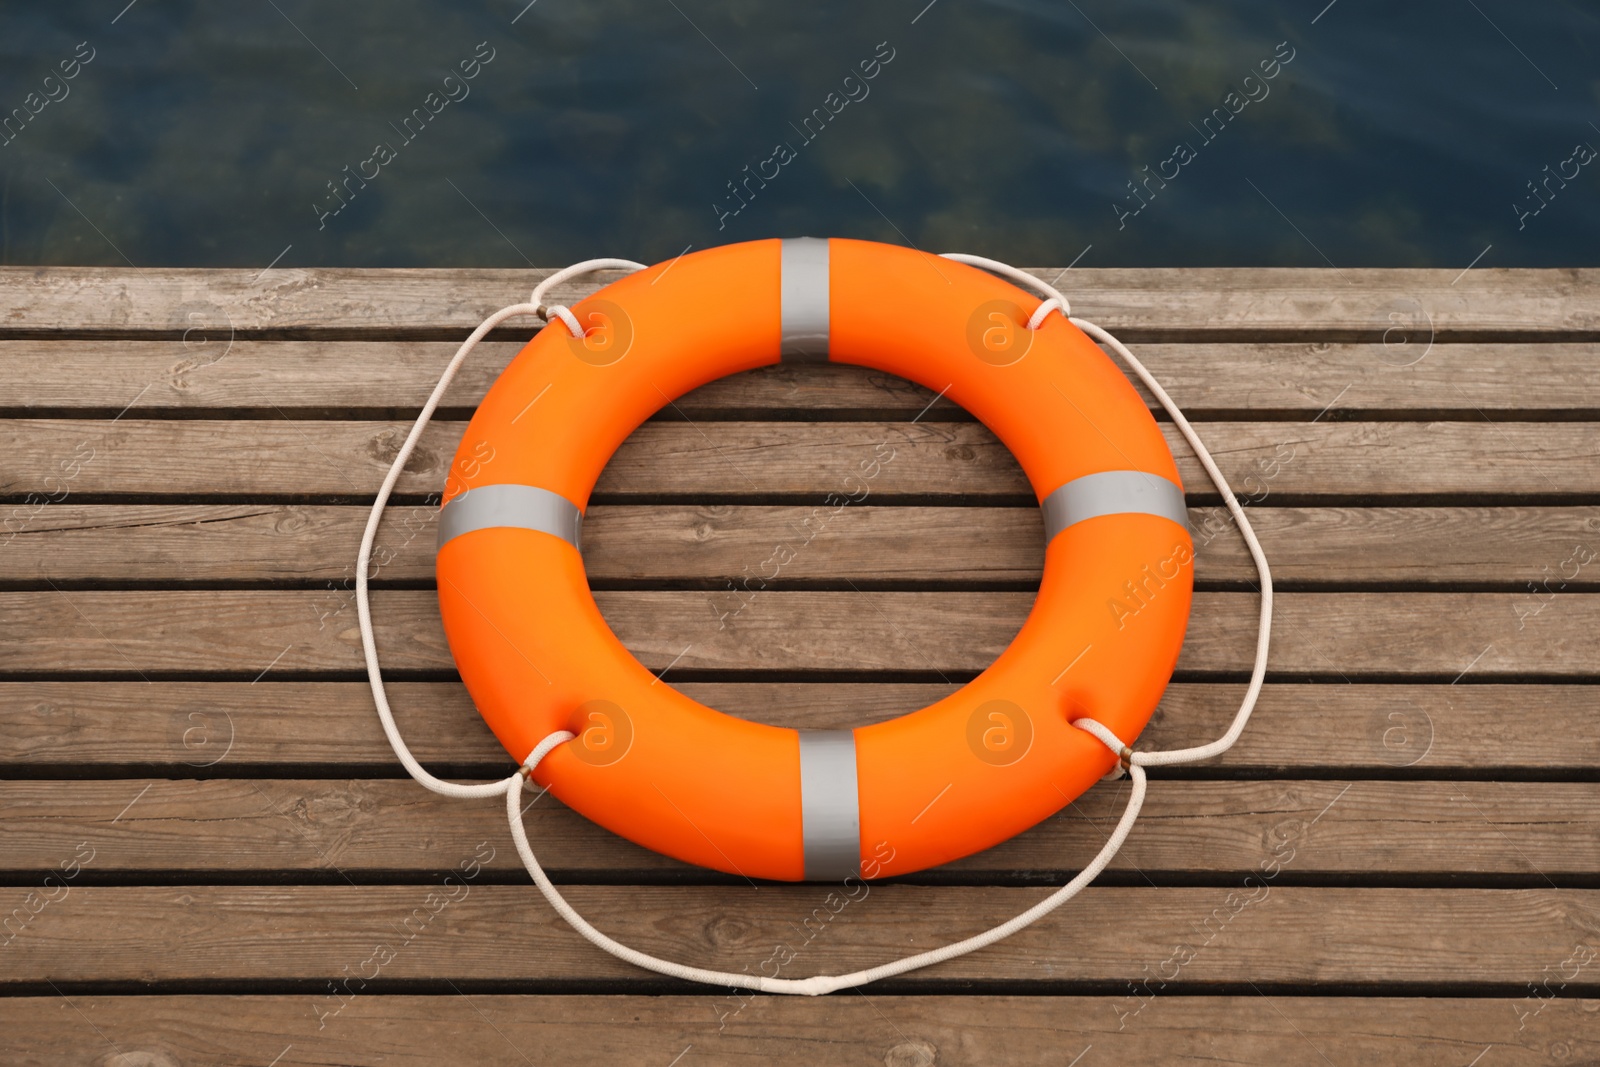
{"x": 248, "y": 632}
{"x": 218, "y": 728}
{"x": 210, "y": 372}
{"x": 1419, "y": 451}
{"x": 456, "y": 1030}
{"x": 713, "y": 543}
{"x": 1533, "y": 831}
{"x": 1335, "y": 304}
{"x": 50, "y": 460}
{"x": 1262, "y": 932}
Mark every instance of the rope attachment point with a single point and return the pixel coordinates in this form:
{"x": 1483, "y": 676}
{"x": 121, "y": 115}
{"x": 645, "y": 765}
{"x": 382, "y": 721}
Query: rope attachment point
{"x": 561, "y": 311}
{"x": 542, "y": 749}
{"x": 1051, "y": 304}
{"x": 1054, "y": 301}
{"x": 1102, "y": 733}
{"x": 564, "y": 313}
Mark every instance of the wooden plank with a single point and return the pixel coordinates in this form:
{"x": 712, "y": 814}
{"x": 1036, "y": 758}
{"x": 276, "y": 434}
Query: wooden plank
{"x": 221, "y": 727}
{"x": 1263, "y": 933}
{"x": 249, "y": 632}
{"x": 315, "y": 378}
{"x": 1321, "y": 547}
{"x": 211, "y": 373}
{"x": 52, "y": 459}
{"x": 1398, "y": 377}
{"x": 1246, "y": 302}
{"x": 455, "y": 1030}
{"x": 1538, "y": 831}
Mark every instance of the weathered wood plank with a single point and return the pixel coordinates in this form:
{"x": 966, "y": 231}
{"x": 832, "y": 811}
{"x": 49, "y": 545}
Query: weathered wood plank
{"x": 1143, "y": 302}
{"x": 1295, "y": 727}
{"x": 1533, "y": 830}
{"x": 215, "y": 727}
{"x": 897, "y": 1031}
{"x": 292, "y": 631}
{"x": 1262, "y": 932}
{"x": 51, "y": 459}
{"x": 209, "y": 372}
{"x": 288, "y": 435}
{"x": 309, "y": 543}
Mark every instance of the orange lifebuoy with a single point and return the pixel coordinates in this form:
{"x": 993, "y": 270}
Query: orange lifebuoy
{"x": 662, "y": 770}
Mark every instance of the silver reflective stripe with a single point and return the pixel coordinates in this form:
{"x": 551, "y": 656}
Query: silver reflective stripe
{"x": 1112, "y": 493}
{"x": 804, "y": 295}
{"x": 525, "y": 507}
{"x": 830, "y": 812}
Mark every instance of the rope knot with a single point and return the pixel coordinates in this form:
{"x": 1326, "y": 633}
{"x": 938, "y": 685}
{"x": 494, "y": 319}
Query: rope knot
{"x": 564, "y": 313}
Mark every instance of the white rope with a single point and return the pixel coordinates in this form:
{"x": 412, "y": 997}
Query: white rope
{"x": 512, "y": 787}
{"x": 822, "y": 983}
{"x": 364, "y": 559}
{"x": 561, "y": 311}
{"x": 1264, "y": 634}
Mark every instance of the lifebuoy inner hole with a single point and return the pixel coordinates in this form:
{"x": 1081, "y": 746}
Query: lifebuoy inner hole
{"x": 894, "y": 558}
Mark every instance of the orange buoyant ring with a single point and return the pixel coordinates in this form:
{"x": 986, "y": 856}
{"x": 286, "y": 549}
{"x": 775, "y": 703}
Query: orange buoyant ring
{"x": 673, "y": 775}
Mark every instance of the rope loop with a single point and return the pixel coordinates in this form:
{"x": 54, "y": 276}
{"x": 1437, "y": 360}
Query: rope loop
{"x": 542, "y": 749}
{"x": 1051, "y": 304}
{"x": 369, "y": 644}
{"x": 588, "y": 266}
{"x": 1054, "y": 301}
{"x": 562, "y": 312}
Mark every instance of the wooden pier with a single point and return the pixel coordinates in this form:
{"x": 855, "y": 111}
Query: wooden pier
{"x": 211, "y": 856}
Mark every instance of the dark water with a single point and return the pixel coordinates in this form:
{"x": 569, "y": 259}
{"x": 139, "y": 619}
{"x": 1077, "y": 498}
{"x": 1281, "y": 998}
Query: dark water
{"x": 1388, "y": 134}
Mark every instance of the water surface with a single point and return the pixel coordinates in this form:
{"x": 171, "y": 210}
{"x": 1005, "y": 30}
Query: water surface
{"x": 1139, "y": 133}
